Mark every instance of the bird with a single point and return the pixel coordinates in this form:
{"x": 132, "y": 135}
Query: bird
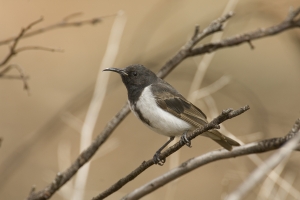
{"x": 163, "y": 109}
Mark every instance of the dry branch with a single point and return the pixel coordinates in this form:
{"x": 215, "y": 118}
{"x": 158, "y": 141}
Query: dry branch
{"x": 87, "y": 154}
{"x": 186, "y": 51}
{"x": 13, "y": 51}
{"x": 271, "y": 162}
{"x": 61, "y": 24}
{"x": 225, "y": 115}
{"x": 25, "y": 32}
{"x": 22, "y": 76}
{"x": 256, "y": 147}
{"x": 290, "y": 22}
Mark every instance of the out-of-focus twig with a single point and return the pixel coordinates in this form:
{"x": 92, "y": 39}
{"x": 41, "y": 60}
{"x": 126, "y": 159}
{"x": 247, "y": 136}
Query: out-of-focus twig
{"x": 13, "y": 47}
{"x": 282, "y": 193}
{"x": 64, "y": 23}
{"x": 26, "y": 32}
{"x": 207, "y": 58}
{"x": 265, "y": 191}
{"x": 97, "y": 100}
{"x": 22, "y": 76}
{"x": 273, "y": 175}
{"x": 212, "y": 88}
{"x": 271, "y": 162}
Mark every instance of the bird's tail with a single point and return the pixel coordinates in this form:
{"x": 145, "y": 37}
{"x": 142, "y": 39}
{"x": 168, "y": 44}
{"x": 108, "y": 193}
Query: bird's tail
{"x": 221, "y": 139}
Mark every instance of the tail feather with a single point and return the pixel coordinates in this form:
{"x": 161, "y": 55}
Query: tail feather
{"x": 221, "y": 139}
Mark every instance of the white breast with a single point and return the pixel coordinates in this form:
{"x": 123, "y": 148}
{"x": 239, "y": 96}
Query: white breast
{"x": 161, "y": 121}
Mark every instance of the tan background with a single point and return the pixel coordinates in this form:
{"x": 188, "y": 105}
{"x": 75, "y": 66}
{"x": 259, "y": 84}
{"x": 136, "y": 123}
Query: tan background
{"x": 34, "y": 134}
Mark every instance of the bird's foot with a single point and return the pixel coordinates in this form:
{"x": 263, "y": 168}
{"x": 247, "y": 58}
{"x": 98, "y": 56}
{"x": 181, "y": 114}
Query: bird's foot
{"x": 157, "y": 160}
{"x": 185, "y": 140}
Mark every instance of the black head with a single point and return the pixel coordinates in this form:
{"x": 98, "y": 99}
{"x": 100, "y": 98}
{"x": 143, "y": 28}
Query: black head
{"x": 135, "y": 76}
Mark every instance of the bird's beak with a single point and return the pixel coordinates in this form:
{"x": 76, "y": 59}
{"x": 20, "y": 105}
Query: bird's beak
{"x": 119, "y": 71}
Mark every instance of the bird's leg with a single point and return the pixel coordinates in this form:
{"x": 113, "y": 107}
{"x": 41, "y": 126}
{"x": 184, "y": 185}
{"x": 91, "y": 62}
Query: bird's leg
{"x": 184, "y": 139}
{"x": 156, "y": 158}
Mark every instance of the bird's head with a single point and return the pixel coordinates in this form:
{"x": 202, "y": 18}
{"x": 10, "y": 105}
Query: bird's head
{"x": 135, "y": 76}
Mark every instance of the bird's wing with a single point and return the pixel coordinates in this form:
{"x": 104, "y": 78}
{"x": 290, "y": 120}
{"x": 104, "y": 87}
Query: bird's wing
{"x": 168, "y": 99}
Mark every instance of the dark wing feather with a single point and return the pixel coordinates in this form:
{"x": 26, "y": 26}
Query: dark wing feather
{"x": 168, "y": 99}
{"x": 171, "y": 101}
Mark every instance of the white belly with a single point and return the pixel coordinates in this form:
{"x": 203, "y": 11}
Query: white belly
{"x": 160, "y": 121}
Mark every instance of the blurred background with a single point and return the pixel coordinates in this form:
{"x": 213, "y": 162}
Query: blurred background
{"x": 41, "y": 131}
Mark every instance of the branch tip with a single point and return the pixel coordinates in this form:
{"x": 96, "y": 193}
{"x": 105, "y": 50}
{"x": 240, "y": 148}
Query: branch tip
{"x": 250, "y": 44}
{"x": 227, "y": 111}
{"x": 196, "y": 32}
{"x": 32, "y": 190}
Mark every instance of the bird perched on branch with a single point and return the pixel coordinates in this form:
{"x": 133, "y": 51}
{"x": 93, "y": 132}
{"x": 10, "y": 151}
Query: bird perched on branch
{"x": 163, "y": 109}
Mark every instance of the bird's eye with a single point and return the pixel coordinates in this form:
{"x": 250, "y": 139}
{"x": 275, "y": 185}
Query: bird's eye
{"x": 134, "y": 73}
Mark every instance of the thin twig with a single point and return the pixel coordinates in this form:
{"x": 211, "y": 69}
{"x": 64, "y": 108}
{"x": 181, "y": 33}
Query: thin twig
{"x": 25, "y": 32}
{"x": 225, "y": 115}
{"x": 256, "y": 147}
{"x": 64, "y": 23}
{"x": 290, "y": 22}
{"x": 97, "y": 100}
{"x": 212, "y": 88}
{"x": 22, "y": 76}
{"x": 12, "y": 51}
{"x": 185, "y": 50}
{"x": 26, "y": 48}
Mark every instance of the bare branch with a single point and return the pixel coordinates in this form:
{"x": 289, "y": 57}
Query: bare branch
{"x": 25, "y": 33}
{"x": 225, "y": 115}
{"x": 62, "y": 24}
{"x": 289, "y": 23}
{"x": 22, "y": 76}
{"x": 256, "y": 147}
{"x": 185, "y": 50}
{"x": 73, "y": 15}
{"x": 12, "y": 51}
{"x": 34, "y": 23}
{"x": 26, "y": 48}
{"x": 270, "y": 163}
{"x": 87, "y": 154}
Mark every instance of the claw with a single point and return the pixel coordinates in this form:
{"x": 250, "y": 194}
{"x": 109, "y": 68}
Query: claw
{"x": 157, "y": 160}
{"x": 186, "y": 141}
